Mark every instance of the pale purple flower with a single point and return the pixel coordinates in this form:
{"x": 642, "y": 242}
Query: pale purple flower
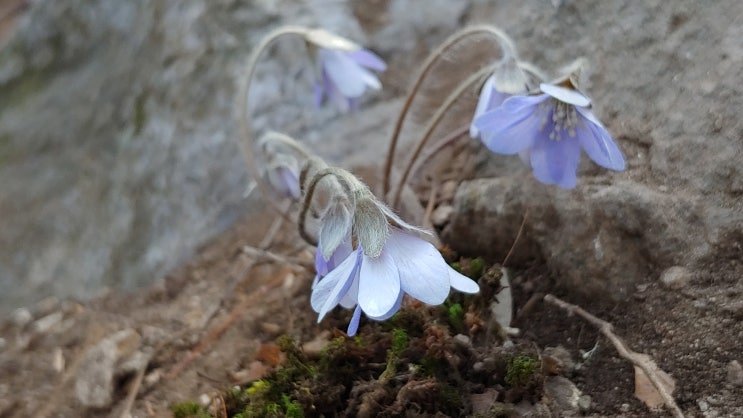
{"x": 548, "y": 130}
{"x": 284, "y": 180}
{"x": 344, "y": 76}
{"x": 376, "y": 284}
{"x": 507, "y": 79}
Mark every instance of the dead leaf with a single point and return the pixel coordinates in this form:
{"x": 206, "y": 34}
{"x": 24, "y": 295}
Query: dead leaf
{"x": 255, "y": 371}
{"x": 270, "y": 354}
{"x": 644, "y": 389}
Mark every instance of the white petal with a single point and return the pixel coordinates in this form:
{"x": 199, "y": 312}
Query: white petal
{"x": 331, "y": 288}
{"x": 482, "y": 104}
{"x": 379, "y": 284}
{"x": 462, "y": 283}
{"x": 351, "y": 298}
{"x": 573, "y": 97}
{"x": 392, "y": 311}
{"x": 423, "y": 271}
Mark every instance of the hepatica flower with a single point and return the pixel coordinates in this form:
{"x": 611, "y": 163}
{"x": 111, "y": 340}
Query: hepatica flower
{"x": 548, "y": 130}
{"x": 344, "y": 76}
{"x": 387, "y": 263}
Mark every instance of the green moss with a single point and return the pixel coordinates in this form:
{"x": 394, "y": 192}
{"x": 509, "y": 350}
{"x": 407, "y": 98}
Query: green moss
{"x": 455, "y": 314}
{"x": 400, "y": 341}
{"x": 188, "y": 410}
{"x": 520, "y": 370}
{"x": 292, "y": 408}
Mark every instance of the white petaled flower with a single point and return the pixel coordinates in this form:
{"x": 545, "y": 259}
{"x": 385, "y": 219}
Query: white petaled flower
{"x": 387, "y": 263}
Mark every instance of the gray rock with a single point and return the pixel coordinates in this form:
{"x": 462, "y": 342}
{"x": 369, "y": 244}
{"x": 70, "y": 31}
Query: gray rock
{"x": 562, "y": 394}
{"x": 94, "y": 383}
{"x": 735, "y": 373}
{"x": 673, "y": 114}
{"x": 118, "y": 141}
{"x": 675, "y": 277}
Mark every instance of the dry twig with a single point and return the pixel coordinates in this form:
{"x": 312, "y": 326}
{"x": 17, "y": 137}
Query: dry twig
{"x": 640, "y": 360}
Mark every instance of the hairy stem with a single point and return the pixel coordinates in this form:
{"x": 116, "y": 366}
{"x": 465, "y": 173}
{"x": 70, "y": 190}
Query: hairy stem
{"x": 338, "y": 174}
{"x": 508, "y": 50}
{"x": 433, "y": 123}
{"x": 246, "y": 144}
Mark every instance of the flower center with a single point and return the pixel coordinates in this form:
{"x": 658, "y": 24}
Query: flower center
{"x": 564, "y": 119}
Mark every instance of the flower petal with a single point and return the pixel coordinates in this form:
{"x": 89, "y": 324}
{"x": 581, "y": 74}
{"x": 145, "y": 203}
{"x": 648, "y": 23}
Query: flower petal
{"x": 329, "y": 291}
{"x": 351, "y": 298}
{"x": 379, "y": 284}
{"x": 483, "y": 103}
{"x": 573, "y": 97}
{"x": 512, "y": 127}
{"x": 423, "y": 271}
{"x": 367, "y": 59}
{"x": 349, "y": 78}
{"x": 556, "y": 161}
{"x": 597, "y": 142}
{"x": 462, "y": 283}
{"x": 353, "y": 326}
{"x": 391, "y": 312}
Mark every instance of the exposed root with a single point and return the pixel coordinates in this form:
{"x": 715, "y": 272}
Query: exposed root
{"x": 640, "y": 360}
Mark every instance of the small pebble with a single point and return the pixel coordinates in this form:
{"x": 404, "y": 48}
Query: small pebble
{"x": 21, "y": 317}
{"x": 441, "y": 215}
{"x": 46, "y": 323}
{"x": 205, "y": 399}
{"x": 584, "y": 402}
{"x": 676, "y": 277}
{"x": 703, "y": 405}
{"x": 462, "y": 340}
{"x": 735, "y": 373}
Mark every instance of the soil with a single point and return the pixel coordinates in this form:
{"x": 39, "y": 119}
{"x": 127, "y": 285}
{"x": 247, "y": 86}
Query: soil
{"x": 217, "y": 324}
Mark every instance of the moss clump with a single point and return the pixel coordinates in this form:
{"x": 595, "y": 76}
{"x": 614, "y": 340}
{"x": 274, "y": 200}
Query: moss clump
{"x": 455, "y": 314}
{"x": 400, "y": 341}
{"x": 521, "y": 369}
{"x": 188, "y": 410}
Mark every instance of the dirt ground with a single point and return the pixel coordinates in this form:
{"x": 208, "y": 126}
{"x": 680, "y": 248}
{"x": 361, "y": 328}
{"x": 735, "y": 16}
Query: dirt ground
{"x": 211, "y": 325}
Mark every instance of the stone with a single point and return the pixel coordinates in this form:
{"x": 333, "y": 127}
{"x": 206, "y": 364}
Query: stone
{"x": 562, "y": 393}
{"x": 676, "y": 277}
{"x": 21, "y": 317}
{"x": 557, "y": 360}
{"x": 735, "y": 373}
{"x": 95, "y": 380}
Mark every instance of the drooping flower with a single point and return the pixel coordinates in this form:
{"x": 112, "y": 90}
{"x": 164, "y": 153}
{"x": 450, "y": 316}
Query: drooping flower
{"x": 507, "y": 80}
{"x": 344, "y": 76}
{"x": 387, "y": 263}
{"x": 548, "y": 130}
{"x": 284, "y": 180}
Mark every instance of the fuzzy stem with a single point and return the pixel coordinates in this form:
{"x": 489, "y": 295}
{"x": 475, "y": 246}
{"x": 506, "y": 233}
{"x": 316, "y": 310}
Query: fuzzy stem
{"x": 245, "y": 129}
{"x": 508, "y": 50}
{"x": 432, "y": 124}
{"x": 288, "y": 141}
{"x": 330, "y": 171}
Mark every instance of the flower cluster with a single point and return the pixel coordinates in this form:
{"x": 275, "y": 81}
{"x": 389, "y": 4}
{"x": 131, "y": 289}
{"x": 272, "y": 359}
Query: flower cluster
{"x": 548, "y": 129}
{"x": 388, "y": 260}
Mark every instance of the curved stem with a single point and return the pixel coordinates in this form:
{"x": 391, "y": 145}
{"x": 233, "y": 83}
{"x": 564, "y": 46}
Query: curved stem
{"x": 504, "y": 42}
{"x": 286, "y": 140}
{"x": 433, "y": 123}
{"x": 302, "y": 221}
{"x": 245, "y": 129}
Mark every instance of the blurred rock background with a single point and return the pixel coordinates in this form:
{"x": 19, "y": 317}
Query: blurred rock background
{"x": 119, "y": 152}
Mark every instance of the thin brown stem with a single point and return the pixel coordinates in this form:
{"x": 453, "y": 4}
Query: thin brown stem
{"x": 504, "y": 42}
{"x": 246, "y": 144}
{"x": 640, "y": 360}
{"x": 433, "y": 123}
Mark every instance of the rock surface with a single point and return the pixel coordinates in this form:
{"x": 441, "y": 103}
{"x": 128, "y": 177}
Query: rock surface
{"x": 671, "y": 111}
{"x": 118, "y": 142}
